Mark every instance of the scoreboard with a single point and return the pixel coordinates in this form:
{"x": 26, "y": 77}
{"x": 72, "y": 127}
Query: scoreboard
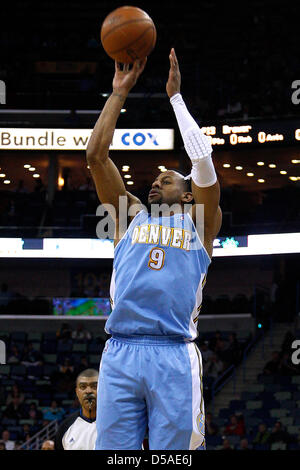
{"x": 254, "y": 133}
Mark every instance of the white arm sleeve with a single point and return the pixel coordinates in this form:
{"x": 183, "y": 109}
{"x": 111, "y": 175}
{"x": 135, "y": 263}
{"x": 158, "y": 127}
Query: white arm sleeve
{"x": 196, "y": 144}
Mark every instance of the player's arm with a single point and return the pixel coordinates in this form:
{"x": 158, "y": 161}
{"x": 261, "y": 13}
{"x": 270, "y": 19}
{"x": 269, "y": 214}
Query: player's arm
{"x": 106, "y": 176}
{"x": 205, "y": 186}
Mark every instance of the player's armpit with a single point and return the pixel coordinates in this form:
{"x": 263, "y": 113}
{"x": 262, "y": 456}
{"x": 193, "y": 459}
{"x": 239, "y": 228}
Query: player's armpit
{"x": 210, "y": 233}
{"x": 210, "y": 198}
{"x": 134, "y": 205}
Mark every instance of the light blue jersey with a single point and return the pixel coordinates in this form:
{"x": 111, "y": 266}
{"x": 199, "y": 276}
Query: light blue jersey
{"x": 159, "y": 271}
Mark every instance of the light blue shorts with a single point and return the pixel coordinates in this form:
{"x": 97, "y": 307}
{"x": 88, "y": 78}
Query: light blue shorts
{"x": 150, "y": 384}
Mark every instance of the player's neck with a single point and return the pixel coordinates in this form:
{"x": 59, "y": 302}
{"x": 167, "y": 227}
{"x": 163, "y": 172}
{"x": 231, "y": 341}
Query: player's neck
{"x": 155, "y": 211}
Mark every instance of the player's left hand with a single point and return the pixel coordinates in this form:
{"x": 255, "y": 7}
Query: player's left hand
{"x": 174, "y": 80}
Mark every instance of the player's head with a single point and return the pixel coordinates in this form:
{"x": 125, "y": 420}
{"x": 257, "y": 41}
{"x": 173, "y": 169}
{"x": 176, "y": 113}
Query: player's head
{"x": 86, "y": 389}
{"x": 170, "y": 187}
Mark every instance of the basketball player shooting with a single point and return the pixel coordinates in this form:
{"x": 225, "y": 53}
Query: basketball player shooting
{"x": 151, "y": 370}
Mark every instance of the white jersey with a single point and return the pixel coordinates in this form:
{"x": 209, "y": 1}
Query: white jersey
{"x": 76, "y": 433}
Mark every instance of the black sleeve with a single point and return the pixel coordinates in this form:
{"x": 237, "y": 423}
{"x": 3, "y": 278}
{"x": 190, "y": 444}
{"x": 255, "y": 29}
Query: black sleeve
{"x": 63, "y": 429}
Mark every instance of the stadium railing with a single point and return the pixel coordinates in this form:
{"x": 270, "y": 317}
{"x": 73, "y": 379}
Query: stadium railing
{"x": 36, "y": 441}
{"x": 231, "y": 372}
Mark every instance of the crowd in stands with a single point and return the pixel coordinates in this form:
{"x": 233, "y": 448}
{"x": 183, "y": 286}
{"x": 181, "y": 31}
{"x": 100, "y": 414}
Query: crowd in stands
{"x": 37, "y": 387}
{"x": 12, "y": 302}
{"x": 37, "y": 382}
{"x": 267, "y": 415}
{"x": 75, "y": 208}
{"x": 219, "y": 353}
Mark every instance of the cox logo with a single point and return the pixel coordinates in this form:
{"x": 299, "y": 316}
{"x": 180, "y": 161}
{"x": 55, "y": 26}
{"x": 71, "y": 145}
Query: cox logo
{"x": 139, "y": 138}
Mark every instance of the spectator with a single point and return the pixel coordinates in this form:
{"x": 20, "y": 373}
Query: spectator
{"x": 25, "y": 432}
{"x": 214, "y": 339}
{"x": 206, "y": 353}
{"x": 244, "y": 444}
{"x": 9, "y": 445}
{"x": 15, "y": 392}
{"x": 74, "y": 406}
{"x": 232, "y": 353}
{"x": 286, "y": 367}
{"x": 26, "y": 440}
{"x": 14, "y": 356}
{"x": 48, "y": 445}
{"x": 66, "y": 368}
{"x": 213, "y": 367}
{"x": 226, "y": 445}
{"x": 45, "y": 423}
{"x": 31, "y": 357}
{"x": 81, "y": 333}
{"x": 236, "y": 427}
{"x": 221, "y": 348}
{"x": 64, "y": 332}
{"x": 83, "y": 364}
{"x": 64, "y": 377}
{"x": 262, "y": 435}
{"x": 210, "y": 427}
{"x": 18, "y": 445}
{"x": 34, "y": 413}
{"x": 15, "y": 410}
{"x": 278, "y": 434}
{"x": 53, "y": 412}
{"x": 271, "y": 368}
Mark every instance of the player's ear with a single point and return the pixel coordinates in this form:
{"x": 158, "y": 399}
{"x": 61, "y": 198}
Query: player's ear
{"x": 187, "y": 197}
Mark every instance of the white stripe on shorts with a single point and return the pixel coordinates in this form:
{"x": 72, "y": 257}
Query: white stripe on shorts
{"x": 198, "y": 433}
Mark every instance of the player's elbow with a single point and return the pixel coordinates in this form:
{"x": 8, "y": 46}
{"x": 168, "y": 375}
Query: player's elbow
{"x": 96, "y": 155}
{"x": 218, "y": 221}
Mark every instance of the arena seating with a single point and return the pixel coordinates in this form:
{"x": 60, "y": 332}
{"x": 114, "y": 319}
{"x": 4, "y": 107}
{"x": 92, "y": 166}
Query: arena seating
{"x": 273, "y": 399}
{"x": 41, "y": 384}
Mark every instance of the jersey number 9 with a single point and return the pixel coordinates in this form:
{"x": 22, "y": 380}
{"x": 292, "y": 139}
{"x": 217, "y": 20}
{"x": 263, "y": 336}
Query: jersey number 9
{"x": 156, "y": 258}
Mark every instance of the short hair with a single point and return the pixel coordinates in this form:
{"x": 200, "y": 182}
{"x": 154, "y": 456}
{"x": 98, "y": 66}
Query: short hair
{"x": 186, "y": 182}
{"x": 87, "y": 373}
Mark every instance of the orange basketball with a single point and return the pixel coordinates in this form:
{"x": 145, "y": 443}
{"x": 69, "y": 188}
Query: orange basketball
{"x": 128, "y": 33}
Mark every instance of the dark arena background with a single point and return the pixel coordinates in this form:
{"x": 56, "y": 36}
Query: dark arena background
{"x": 240, "y": 67}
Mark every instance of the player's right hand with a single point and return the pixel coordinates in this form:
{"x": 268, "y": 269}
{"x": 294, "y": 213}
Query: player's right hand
{"x": 125, "y": 77}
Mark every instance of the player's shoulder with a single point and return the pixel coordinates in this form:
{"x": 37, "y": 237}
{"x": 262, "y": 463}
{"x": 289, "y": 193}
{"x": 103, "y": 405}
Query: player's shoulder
{"x": 135, "y": 205}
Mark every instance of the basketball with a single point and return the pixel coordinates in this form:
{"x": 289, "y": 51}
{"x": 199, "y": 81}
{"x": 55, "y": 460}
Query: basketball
{"x": 127, "y": 34}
